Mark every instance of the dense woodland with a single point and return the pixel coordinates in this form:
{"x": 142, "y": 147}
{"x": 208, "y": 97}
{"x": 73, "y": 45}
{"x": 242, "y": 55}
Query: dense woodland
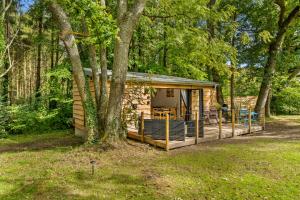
{"x": 250, "y": 47}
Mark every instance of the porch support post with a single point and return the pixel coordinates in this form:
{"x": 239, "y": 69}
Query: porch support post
{"x": 233, "y": 121}
{"x": 197, "y": 127}
{"x": 142, "y": 127}
{"x": 220, "y": 123}
{"x": 249, "y": 119}
{"x": 185, "y": 130}
{"x": 167, "y": 132}
{"x": 201, "y": 113}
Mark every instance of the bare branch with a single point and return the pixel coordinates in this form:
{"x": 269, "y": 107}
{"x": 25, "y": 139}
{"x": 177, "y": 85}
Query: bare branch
{"x": 10, "y": 43}
{"x": 5, "y": 7}
{"x": 11, "y": 64}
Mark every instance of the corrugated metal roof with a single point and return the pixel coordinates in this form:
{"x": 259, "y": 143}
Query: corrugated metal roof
{"x": 158, "y": 79}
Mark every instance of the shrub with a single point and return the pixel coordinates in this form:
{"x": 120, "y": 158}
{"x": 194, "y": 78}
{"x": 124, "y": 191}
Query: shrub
{"x": 23, "y": 118}
{"x": 288, "y": 101}
{"x": 3, "y": 120}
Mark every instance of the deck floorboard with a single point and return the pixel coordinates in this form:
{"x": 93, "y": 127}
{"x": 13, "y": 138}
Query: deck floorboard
{"x": 211, "y": 133}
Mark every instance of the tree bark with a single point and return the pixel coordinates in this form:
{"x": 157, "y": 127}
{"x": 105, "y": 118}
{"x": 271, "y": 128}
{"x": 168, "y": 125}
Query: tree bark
{"x": 5, "y": 32}
{"x": 268, "y": 104}
{"x": 52, "y": 47}
{"x": 165, "y": 48}
{"x": 57, "y": 50}
{"x": 214, "y": 74}
{"x": 232, "y": 86}
{"x": 103, "y": 101}
{"x": 127, "y": 21}
{"x": 274, "y": 49}
{"x": 72, "y": 49}
{"x": 39, "y": 58}
{"x": 92, "y": 55}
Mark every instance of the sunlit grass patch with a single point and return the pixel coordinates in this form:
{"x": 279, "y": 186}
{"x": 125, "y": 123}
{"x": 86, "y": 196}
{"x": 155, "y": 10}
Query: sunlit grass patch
{"x": 57, "y": 166}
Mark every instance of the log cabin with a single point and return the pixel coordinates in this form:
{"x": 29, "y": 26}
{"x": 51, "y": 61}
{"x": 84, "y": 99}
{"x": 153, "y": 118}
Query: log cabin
{"x": 155, "y": 96}
{"x": 167, "y": 111}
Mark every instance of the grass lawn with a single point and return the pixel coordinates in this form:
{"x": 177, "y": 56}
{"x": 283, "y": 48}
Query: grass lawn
{"x": 57, "y": 166}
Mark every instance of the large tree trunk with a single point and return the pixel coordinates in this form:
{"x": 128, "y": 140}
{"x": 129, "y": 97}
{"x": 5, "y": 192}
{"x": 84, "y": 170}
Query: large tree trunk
{"x": 127, "y": 21}
{"x": 272, "y": 55}
{"x": 78, "y": 73}
{"x": 39, "y": 58}
{"x": 52, "y": 47}
{"x": 232, "y": 86}
{"x": 103, "y": 101}
{"x": 215, "y": 75}
{"x": 5, "y": 36}
{"x": 268, "y": 104}
{"x": 217, "y": 79}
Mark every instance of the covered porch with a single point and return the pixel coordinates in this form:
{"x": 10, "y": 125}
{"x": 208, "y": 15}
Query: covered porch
{"x": 186, "y": 116}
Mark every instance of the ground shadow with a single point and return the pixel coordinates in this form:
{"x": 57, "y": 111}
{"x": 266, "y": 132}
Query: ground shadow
{"x": 38, "y": 188}
{"x": 41, "y": 144}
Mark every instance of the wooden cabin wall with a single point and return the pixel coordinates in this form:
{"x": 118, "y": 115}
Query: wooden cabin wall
{"x": 210, "y": 98}
{"x": 78, "y": 112}
{"x": 242, "y": 102}
{"x": 195, "y": 102}
{"x": 142, "y": 105}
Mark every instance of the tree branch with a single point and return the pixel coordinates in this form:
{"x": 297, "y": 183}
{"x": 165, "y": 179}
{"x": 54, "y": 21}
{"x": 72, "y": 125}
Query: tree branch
{"x": 5, "y": 7}
{"x": 138, "y": 7}
{"x": 122, "y": 8}
{"x": 291, "y": 16}
{"x": 294, "y": 74}
{"x": 11, "y": 64}
{"x": 281, "y": 4}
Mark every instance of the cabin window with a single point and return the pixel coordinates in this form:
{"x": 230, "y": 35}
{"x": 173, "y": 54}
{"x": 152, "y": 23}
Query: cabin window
{"x": 170, "y": 93}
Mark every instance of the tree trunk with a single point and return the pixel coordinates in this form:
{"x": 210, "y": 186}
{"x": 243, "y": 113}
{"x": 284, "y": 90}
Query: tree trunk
{"x": 39, "y": 59}
{"x": 217, "y": 79}
{"x": 272, "y": 55}
{"x": 103, "y": 101}
{"x": 127, "y": 21}
{"x": 78, "y": 73}
{"x": 232, "y": 86}
{"x": 52, "y": 48}
{"x": 165, "y": 48}
{"x": 215, "y": 75}
{"x": 5, "y": 80}
{"x": 268, "y": 104}
{"x": 57, "y": 50}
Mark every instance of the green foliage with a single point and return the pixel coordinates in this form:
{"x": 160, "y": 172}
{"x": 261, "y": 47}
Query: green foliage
{"x": 55, "y": 88}
{"x": 247, "y": 81}
{"x": 3, "y": 120}
{"x": 24, "y": 119}
{"x": 100, "y": 24}
{"x": 176, "y": 42}
{"x": 287, "y": 101}
{"x": 265, "y": 36}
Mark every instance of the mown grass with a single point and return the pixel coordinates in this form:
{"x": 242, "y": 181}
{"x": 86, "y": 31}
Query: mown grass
{"x": 291, "y": 118}
{"x": 47, "y": 167}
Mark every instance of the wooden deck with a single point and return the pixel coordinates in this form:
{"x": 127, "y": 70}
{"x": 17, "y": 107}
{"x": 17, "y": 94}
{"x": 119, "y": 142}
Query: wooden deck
{"x": 211, "y": 133}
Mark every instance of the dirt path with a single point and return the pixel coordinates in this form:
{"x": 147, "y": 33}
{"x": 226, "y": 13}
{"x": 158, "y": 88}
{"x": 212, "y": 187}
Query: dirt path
{"x": 284, "y": 129}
